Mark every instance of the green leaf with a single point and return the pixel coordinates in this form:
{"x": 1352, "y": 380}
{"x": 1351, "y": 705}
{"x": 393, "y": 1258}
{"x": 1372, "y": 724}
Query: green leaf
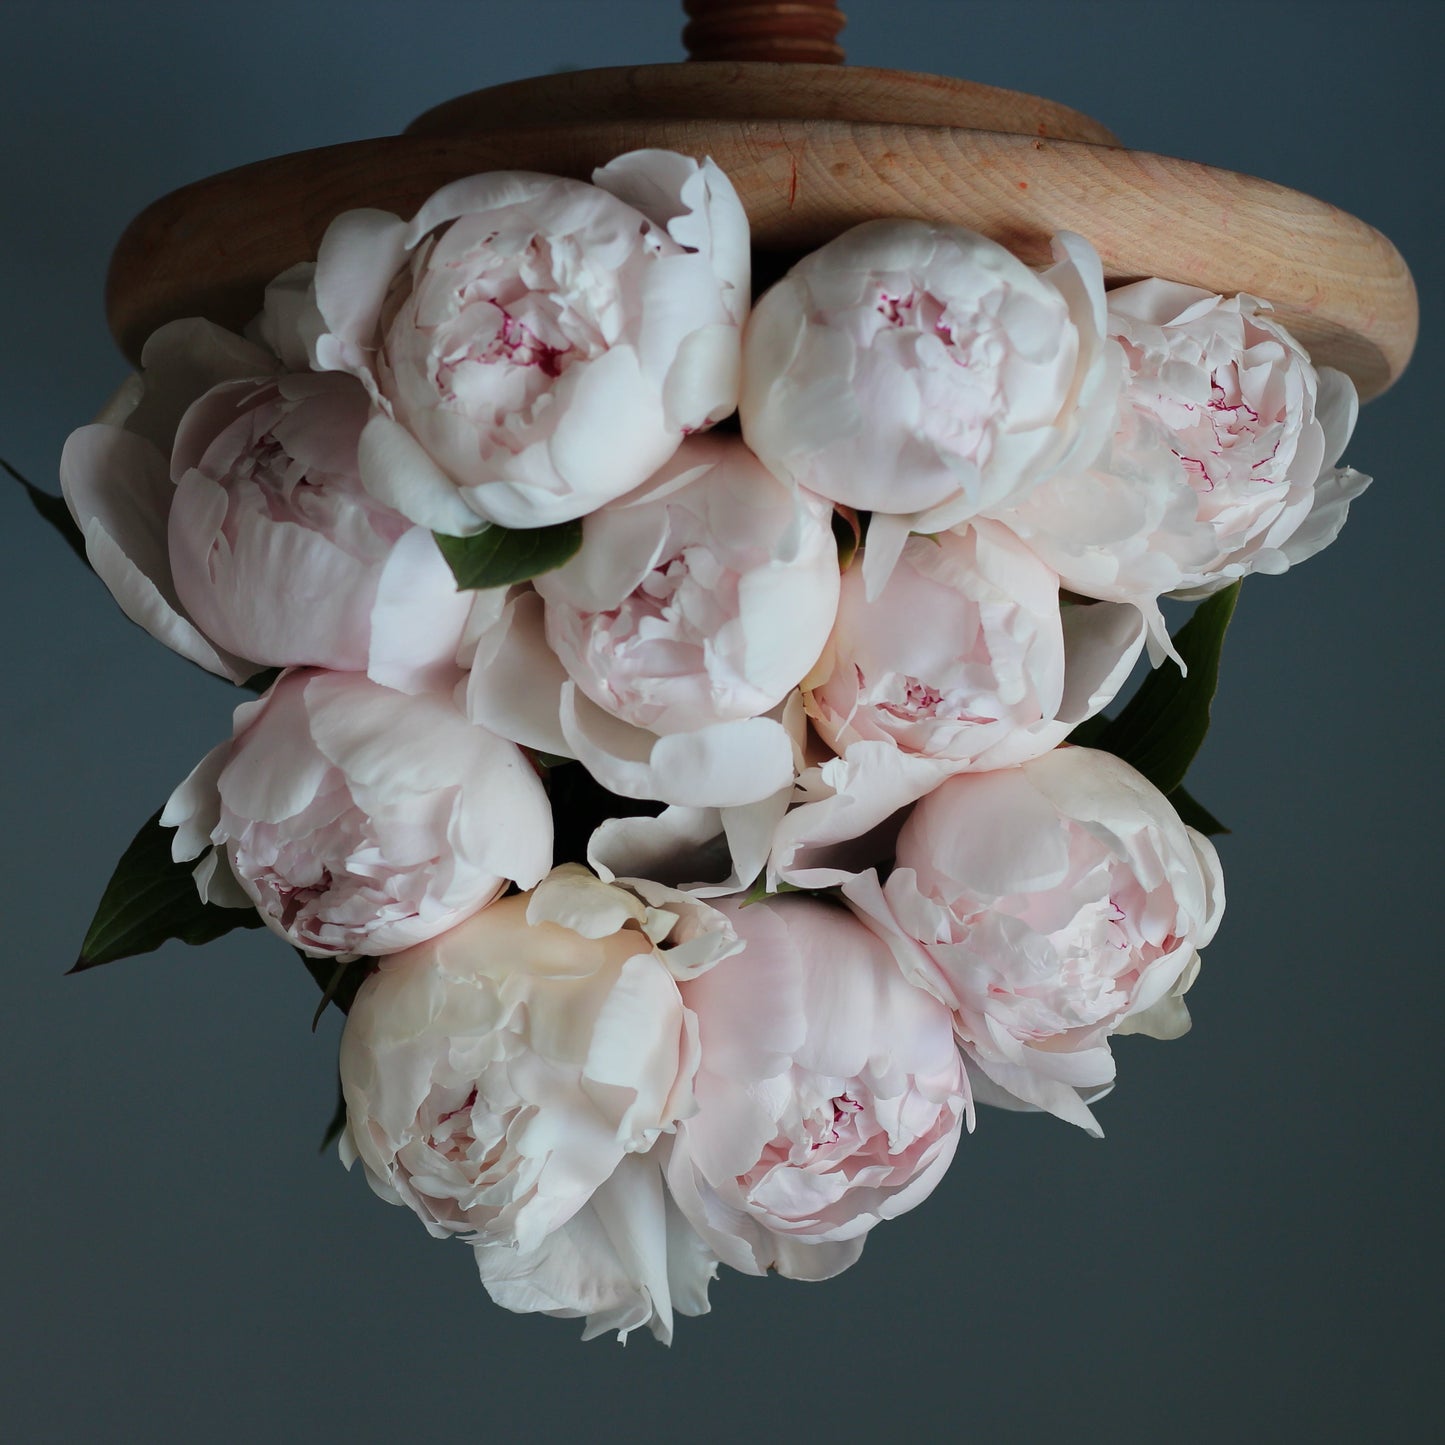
{"x": 54, "y": 511}
{"x": 151, "y": 899}
{"x": 338, "y": 1120}
{"x": 338, "y": 982}
{"x": 760, "y": 890}
{"x": 500, "y": 556}
{"x": 260, "y": 682}
{"x": 1195, "y": 814}
{"x": 1162, "y": 726}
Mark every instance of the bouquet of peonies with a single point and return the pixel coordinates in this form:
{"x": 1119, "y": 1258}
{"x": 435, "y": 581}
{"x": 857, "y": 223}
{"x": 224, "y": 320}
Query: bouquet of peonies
{"x": 673, "y": 767}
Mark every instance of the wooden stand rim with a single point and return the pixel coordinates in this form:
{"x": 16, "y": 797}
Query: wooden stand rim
{"x": 210, "y": 248}
{"x": 758, "y": 90}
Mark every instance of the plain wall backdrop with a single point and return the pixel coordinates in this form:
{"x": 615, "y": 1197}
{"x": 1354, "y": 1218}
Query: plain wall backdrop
{"x": 1253, "y": 1251}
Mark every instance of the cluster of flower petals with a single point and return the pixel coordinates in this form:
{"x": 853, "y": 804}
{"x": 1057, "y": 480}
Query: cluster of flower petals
{"x": 605, "y": 1112}
{"x": 1049, "y": 906}
{"x": 657, "y": 655}
{"x": 221, "y": 503}
{"x": 357, "y": 819}
{"x": 535, "y": 346}
{"x": 925, "y": 374}
{"x": 1224, "y": 459}
{"x": 609, "y": 1079}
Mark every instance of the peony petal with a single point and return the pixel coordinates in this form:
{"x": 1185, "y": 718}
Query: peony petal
{"x": 724, "y": 765}
{"x": 417, "y": 618}
{"x": 515, "y": 684}
{"x": 396, "y": 470}
{"x": 359, "y": 254}
{"x": 194, "y": 808}
{"x": 572, "y": 896}
{"x": 614, "y": 1262}
{"x": 182, "y": 361}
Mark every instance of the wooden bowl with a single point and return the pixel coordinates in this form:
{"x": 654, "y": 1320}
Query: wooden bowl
{"x": 812, "y": 150}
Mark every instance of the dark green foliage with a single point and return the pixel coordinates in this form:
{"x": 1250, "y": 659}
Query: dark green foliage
{"x": 151, "y": 899}
{"x": 500, "y": 556}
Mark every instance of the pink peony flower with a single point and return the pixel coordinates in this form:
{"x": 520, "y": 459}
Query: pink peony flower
{"x": 359, "y": 820}
{"x": 656, "y": 655}
{"x": 1049, "y": 906}
{"x": 222, "y": 506}
{"x": 830, "y": 1093}
{"x": 535, "y": 346}
{"x": 1224, "y": 461}
{"x": 925, "y": 374}
{"x": 506, "y": 1081}
{"x": 999, "y": 674}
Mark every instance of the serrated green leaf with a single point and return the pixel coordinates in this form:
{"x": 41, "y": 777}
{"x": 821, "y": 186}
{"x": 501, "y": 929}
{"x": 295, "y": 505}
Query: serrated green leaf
{"x": 151, "y": 899}
{"x": 1163, "y": 724}
{"x": 1196, "y": 815}
{"x": 500, "y": 556}
{"x": 54, "y": 511}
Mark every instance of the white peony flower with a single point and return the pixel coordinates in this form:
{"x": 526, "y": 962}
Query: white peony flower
{"x": 1049, "y": 906}
{"x": 1224, "y": 461}
{"x": 359, "y": 820}
{"x": 222, "y": 506}
{"x": 506, "y": 1081}
{"x": 830, "y": 1093}
{"x": 536, "y": 346}
{"x": 965, "y": 658}
{"x": 925, "y": 374}
{"x": 662, "y": 654}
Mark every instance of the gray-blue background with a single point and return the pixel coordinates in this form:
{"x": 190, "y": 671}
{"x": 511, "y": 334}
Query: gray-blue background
{"x": 1251, "y": 1254}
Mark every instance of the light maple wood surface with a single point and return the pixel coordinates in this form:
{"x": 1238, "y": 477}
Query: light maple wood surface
{"x": 210, "y": 248}
{"x": 757, "y": 90}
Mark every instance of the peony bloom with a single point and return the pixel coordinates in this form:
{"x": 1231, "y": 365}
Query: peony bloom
{"x": 1049, "y": 906}
{"x": 359, "y": 820}
{"x": 660, "y": 654}
{"x": 830, "y": 1093}
{"x": 998, "y": 674}
{"x": 535, "y": 346}
{"x": 506, "y": 1081}
{"x": 925, "y": 374}
{"x": 222, "y": 506}
{"x": 1224, "y": 461}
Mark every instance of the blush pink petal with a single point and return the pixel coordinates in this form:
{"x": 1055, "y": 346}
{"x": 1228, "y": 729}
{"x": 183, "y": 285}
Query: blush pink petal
{"x": 625, "y": 1261}
{"x": 360, "y": 820}
{"x": 118, "y": 491}
{"x": 830, "y": 1093}
{"x": 397, "y": 471}
{"x": 724, "y": 765}
{"x": 515, "y": 682}
{"x": 923, "y": 373}
{"x": 1047, "y": 905}
{"x": 546, "y": 345}
{"x": 417, "y": 618}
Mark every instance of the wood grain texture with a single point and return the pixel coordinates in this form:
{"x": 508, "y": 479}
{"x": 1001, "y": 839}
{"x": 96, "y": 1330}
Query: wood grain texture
{"x": 1344, "y": 290}
{"x": 757, "y": 90}
{"x": 804, "y": 30}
